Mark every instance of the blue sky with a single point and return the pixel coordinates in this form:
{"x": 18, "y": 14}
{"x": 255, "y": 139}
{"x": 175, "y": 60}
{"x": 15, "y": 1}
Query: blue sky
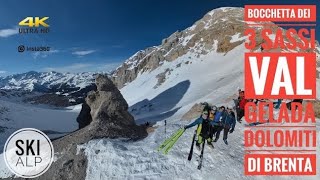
{"x": 97, "y": 35}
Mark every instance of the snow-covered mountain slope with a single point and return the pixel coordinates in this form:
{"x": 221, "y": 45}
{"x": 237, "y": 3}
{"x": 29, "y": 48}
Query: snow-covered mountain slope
{"x": 54, "y": 122}
{"x": 220, "y": 30}
{"x": 190, "y": 66}
{"x": 115, "y": 159}
{"x": 212, "y": 77}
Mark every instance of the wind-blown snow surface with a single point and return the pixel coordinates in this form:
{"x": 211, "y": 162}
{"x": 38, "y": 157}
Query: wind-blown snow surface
{"x": 115, "y": 159}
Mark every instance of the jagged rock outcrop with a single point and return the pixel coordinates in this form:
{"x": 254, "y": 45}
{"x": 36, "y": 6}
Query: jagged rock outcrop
{"x": 109, "y": 119}
{"x": 211, "y": 33}
{"x": 109, "y": 112}
{"x": 162, "y": 77}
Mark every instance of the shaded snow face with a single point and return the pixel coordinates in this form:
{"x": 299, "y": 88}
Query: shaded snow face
{"x": 212, "y": 78}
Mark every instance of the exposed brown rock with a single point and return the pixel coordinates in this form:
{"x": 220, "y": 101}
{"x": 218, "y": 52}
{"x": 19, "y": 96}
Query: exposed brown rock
{"x": 213, "y": 32}
{"x": 162, "y": 77}
{"x": 194, "y": 112}
{"x": 316, "y": 107}
{"x": 110, "y": 119}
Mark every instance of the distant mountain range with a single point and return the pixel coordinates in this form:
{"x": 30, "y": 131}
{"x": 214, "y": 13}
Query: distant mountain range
{"x": 45, "y": 87}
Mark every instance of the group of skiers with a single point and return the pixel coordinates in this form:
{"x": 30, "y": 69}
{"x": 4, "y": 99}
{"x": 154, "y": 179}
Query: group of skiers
{"x": 215, "y": 119}
{"x": 211, "y": 122}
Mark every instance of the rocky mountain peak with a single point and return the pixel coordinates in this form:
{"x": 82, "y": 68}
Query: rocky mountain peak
{"x": 220, "y": 31}
{"x": 105, "y": 116}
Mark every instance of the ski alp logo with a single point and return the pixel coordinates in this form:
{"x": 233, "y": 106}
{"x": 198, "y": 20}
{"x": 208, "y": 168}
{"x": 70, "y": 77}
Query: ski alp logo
{"x": 28, "y": 153}
{"x": 281, "y": 65}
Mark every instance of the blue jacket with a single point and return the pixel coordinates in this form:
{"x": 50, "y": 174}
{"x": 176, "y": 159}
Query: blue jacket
{"x": 219, "y": 115}
{"x": 196, "y": 122}
{"x": 229, "y": 120}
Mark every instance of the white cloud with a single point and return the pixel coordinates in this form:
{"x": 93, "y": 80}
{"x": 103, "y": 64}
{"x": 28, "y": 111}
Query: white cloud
{"x": 3, "y": 72}
{"x": 83, "y": 53}
{"x": 108, "y": 67}
{"x": 83, "y": 67}
{"x": 71, "y": 68}
{"x": 44, "y": 54}
{"x": 8, "y": 32}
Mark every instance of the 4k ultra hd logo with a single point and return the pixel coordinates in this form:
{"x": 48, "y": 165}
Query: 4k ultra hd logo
{"x": 28, "y": 153}
{"x": 34, "y": 25}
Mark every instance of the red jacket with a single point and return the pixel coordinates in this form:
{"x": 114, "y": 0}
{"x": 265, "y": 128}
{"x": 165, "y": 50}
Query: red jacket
{"x": 242, "y": 103}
